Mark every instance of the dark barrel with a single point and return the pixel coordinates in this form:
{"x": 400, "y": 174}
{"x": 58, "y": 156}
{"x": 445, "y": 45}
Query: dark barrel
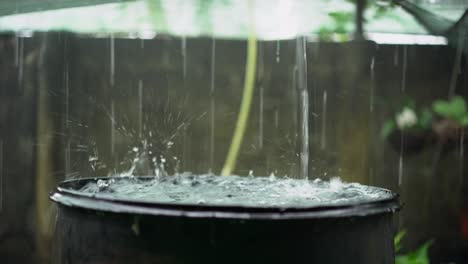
{"x": 104, "y": 230}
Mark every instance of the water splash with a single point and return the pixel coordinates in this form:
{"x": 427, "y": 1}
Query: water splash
{"x": 235, "y": 190}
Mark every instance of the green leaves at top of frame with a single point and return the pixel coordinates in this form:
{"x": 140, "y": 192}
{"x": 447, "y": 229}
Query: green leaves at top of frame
{"x": 454, "y": 109}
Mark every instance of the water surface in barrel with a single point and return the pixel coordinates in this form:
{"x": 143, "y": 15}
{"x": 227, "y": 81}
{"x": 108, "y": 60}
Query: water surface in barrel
{"x": 235, "y": 191}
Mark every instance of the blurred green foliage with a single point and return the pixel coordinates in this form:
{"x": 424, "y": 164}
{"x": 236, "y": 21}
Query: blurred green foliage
{"x": 419, "y": 256}
{"x": 454, "y": 109}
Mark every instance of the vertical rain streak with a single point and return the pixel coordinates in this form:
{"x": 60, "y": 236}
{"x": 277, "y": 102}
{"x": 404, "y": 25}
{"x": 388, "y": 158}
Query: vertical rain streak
{"x": 403, "y": 68}
{"x": 323, "y": 140}
{"x": 140, "y": 108}
{"x": 112, "y": 60}
{"x": 212, "y": 103}
{"x": 372, "y": 85}
{"x": 301, "y": 67}
{"x": 395, "y": 56}
{"x": 17, "y": 50}
{"x": 278, "y": 51}
{"x": 67, "y": 95}
{"x": 183, "y": 52}
{"x": 461, "y": 157}
{"x": 112, "y": 135}
{"x": 68, "y": 159}
{"x": 20, "y": 60}
{"x": 260, "y": 120}
{"x": 400, "y": 160}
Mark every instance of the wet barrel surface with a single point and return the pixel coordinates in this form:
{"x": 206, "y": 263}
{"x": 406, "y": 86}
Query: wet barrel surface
{"x": 93, "y": 229}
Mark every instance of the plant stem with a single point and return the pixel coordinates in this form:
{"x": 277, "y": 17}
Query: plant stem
{"x": 243, "y": 116}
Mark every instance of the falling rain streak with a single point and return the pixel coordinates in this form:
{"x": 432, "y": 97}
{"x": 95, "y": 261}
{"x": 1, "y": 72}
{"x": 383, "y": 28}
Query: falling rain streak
{"x": 301, "y": 67}
{"x": 112, "y": 60}
{"x": 112, "y": 136}
{"x": 400, "y": 160}
{"x": 277, "y": 51}
{"x": 67, "y": 95}
{"x": 395, "y": 56}
{"x": 140, "y": 107}
{"x": 372, "y": 85}
{"x": 260, "y": 121}
{"x": 323, "y": 140}
{"x": 184, "y": 56}
{"x": 67, "y": 158}
{"x": 212, "y": 103}
{"x": 405, "y": 62}
{"x": 20, "y": 60}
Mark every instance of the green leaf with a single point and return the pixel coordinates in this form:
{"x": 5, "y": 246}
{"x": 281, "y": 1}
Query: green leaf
{"x": 388, "y": 128}
{"x": 454, "y": 109}
{"x": 458, "y": 106}
{"x": 442, "y": 108}
{"x": 420, "y": 256}
{"x": 397, "y": 240}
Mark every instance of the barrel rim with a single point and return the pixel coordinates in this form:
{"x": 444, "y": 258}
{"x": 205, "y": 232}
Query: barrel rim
{"x": 64, "y": 195}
